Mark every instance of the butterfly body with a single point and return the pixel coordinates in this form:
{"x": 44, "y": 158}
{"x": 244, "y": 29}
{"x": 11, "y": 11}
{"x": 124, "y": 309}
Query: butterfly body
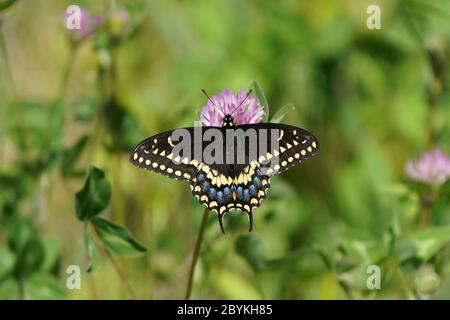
{"x": 228, "y": 167}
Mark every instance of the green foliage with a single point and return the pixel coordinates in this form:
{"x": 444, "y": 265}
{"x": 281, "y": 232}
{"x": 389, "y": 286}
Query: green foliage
{"x": 91, "y": 250}
{"x": 262, "y": 99}
{"x": 117, "y": 238}
{"x": 251, "y": 248}
{"x": 281, "y": 113}
{"x": 429, "y": 242}
{"x": 94, "y": 197}
{"x": 71, "y": 155}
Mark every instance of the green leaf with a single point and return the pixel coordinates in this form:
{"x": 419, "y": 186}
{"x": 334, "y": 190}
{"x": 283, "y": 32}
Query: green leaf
{"x": 29, "y": 259}
{"x": 324, "y": 256}
{"x": 345, "y": 264}
{"x": 441, "y": 206}
{"x": 52, "y": 257}
{"x": 42, "y": 286}
{"x": 280, "y": 114}
{"x": 262, "y": 99}
{"x": 361, "y": 247}
{"x": 117, "y": 238}
{"x": 71, "y": 155}
{"x": 6, "y": 261}
{"x": 21, "y": 231}
{"x": 429, "y": 242}
{"x": 419, "y": 187}
{"x": 405, "y": 251}
{"x": 94, "y": 197}
{"x": 91, "y": 251}
{"x": 251, "y": 249}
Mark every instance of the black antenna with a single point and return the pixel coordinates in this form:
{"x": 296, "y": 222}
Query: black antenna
{"x": 240, "y": 104}
{"x": 210, "y": 100}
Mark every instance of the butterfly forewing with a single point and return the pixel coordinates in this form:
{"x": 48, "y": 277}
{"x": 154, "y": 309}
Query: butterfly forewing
{"x": 284, "y": 147}
{"x": 156, "y": 153}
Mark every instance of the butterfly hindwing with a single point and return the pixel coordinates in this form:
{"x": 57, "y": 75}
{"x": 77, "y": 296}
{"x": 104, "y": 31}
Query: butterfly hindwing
{"x": 227, "y": 192}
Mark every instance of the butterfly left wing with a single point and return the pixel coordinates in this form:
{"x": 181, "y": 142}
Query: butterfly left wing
{"x": 156, "y": 154}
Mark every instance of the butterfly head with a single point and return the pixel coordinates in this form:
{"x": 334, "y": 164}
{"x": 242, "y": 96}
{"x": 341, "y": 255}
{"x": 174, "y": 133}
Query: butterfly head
{"x": 228, "y": 121}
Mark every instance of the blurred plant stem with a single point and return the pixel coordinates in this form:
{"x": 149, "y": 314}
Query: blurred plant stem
{"x": 427, "y": 203}
{"x": 21, "y": 290}
{"x": 408, "y": 291}
{"x": 114, "y": 262}
{"x": 19, "y": 115}
{"x": 196, "y": 253}
{"x": 62, "y": 92}
{"x": 347, "y": 290}
{"x": 63, "y": 89}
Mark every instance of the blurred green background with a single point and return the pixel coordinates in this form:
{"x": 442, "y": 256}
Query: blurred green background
{"x": 374, "y": 98}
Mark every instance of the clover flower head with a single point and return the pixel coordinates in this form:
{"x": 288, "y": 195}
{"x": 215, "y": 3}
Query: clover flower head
{"x": 432, "y": 167}
{"x": 119, "y": 21}
{"x": 249, "y": 111}
{"x": 89, "y": 23}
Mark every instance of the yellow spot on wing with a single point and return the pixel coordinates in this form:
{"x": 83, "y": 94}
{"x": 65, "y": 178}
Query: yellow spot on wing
{"x": 281, "y": 135}
{"x": 170, "y": 142}
{"x": 223, "y": 179}
{"x": 213, "y": 204}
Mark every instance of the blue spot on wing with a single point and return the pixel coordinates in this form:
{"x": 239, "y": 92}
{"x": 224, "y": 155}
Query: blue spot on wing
{"x": 227, "y": 193}
{"x": 246, "y": 195}
{"x": 212, "y": 194}
{"x": 257, "y": 182}
{"x": 252, "y": 190}
{"x": 240, "y": 193}
{"x": 220, "y": 197}
{"x": 205, "y": 187}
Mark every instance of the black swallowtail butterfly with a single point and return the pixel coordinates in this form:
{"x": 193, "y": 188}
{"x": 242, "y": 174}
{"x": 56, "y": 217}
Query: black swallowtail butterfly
{"x": 223, "y": 186}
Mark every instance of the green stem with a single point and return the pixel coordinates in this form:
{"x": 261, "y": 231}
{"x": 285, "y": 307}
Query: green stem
{"x": 409, "y": 292}
{"x": 19, "y": 115}
{"x": 21, "y": 289}
{"x": 115, "y": 264}
{"x": 346, "y": 288}
{"x": 196, "y": 253}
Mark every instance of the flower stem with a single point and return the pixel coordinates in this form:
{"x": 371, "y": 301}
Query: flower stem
{"x": 425, "y": 217}
{"x": 427, "y": 203}
{"x": 18, "y": 110}
{"x": 196, "y": 253}
{"x": 21, "y": 289}
{"x": 346, "y": 288}
{"x": 115, "y": 265}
